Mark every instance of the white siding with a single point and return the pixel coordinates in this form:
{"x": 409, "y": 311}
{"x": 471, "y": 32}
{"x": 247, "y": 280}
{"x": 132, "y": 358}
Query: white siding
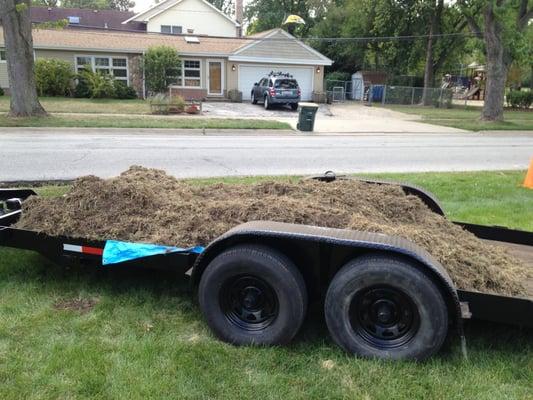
{"x": 194, "y": 14}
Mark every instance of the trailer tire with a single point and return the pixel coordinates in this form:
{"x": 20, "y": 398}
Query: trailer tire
{"x": 253, "y": 295}
{"x": 383, "y": 306}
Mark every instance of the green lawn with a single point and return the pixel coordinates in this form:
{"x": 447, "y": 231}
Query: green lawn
{"x": 181, "y": 122}
{"x": 144, "y": 336}
{"x": 468, "y": 118}
{"x": 72, "y": 105}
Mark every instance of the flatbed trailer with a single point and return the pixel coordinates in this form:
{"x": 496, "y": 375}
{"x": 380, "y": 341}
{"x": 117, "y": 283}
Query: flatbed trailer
{"x": 383, "y": 296}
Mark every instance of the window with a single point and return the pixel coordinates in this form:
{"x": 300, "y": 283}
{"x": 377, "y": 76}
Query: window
{"x": 115, "y": 66}
{"x": 191, "y": 73}
{"x": 286, "y": 84}
{"x": 3, "y": 56}
{"x": 171, "y": 29}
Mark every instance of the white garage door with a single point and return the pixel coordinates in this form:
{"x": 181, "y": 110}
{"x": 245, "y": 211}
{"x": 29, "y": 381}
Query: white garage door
{"x": 249, "y": 74}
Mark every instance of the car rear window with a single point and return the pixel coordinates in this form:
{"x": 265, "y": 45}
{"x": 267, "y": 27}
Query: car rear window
{"x": 286, "y": 84}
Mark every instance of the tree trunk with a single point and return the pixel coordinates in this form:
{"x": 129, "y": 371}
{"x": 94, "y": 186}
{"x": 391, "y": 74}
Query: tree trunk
{"x": 497, "y": 67}
{"x": 19, "y": 51}
{"x": 429, "y": 70}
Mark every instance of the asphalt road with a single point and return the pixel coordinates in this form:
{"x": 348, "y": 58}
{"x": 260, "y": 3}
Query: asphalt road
{"x": 52, "y": 154}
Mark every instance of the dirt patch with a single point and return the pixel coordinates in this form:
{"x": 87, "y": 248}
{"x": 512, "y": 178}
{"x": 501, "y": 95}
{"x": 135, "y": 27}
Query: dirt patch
{"x": 80, "y": 305}
{"x": 146, "y": 205}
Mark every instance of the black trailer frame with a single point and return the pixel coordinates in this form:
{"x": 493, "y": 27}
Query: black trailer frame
{"x": 307, "y": 245}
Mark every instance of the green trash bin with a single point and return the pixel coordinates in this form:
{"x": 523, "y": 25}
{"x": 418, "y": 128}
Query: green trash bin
{"x": 306, "y": 118}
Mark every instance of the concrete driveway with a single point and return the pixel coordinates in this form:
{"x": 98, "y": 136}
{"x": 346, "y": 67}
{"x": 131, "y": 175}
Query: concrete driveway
{"x": 349, "y": 117}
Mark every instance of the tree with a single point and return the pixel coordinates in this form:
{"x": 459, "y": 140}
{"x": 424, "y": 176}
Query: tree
{"x": 121, "y": 5}
{"x": 262, "y": 15}
{"x": 15, "y": 18}
{"x": 89, "y": 4}
{"x": 161, "y": 67}
{"x": 434, "y": 29}
{"x": 45, "y": 3}
{"x": 504, "y": 24}
{"x": 226, "y": 6}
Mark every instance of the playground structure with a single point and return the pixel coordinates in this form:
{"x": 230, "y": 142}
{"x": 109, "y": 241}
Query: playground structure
{"x": 470, "y": 86}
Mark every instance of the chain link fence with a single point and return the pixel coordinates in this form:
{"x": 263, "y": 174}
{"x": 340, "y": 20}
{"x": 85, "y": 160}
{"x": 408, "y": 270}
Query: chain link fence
{"x": 338, "y": 91}
{"x": 407, "y": 95}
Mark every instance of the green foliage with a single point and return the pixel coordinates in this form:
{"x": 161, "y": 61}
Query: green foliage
{"x": 520, "y": 99}
{"x": 161, "y": 64}
{"x": 123, "y": 91}
{"x": 338, "y": 76}
{"x": 98, "y": 85}
{"x": 177, "y": 102}
{"x": 1, "y": 91}
{"x": 226, "y": 6}
{"x": 59, "y": 24}
{"x": 262, "y": 15}
{"x": 53, "y": 77}
{"x": 82, "y": 88}
{"x": 122, "y": 5}
{"x": 45, "y": 3}
{"x": 21, "y": 7}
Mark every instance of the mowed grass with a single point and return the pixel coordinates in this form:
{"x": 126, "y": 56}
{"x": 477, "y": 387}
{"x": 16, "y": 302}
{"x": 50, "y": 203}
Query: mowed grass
{"x": 145, "y": 338}
{"x": 86, "y": 106}
{"x": 468, "y": 118}
{"x": 139, "y": 121}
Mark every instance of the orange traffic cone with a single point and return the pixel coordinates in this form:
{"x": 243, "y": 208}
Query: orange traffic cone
{"x": 528, "y": 182}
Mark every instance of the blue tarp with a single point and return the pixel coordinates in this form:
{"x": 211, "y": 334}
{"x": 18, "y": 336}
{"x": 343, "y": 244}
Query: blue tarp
{"x": 116, "y": 252}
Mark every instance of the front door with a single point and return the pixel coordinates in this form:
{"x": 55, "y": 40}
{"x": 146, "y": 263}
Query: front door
{"x": 215, "y": 77}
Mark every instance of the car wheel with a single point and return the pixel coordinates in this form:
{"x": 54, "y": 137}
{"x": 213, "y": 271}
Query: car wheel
{"x": 253, "y": 295}
{"x": 254, "y": 100}
{"x": 267, "y": 103}
{"x": 382, "y": 306}
{"x": 294, "y": 106}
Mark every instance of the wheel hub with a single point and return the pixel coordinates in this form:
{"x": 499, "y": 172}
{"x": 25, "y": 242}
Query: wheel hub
{"x": 249, "y": 302}
{"x": 384, "y": 316}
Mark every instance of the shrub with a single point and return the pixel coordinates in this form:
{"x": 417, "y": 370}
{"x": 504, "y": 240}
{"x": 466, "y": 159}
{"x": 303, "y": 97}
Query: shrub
{"x": 99, "y": 86}
{"x": 161, "y": 65}
{"x": 82, "y": 88}
{"x": 53, "y": 77}
{"x": 177, "y": 102}
{"x": 123, "y": 91}
{"x": 520, "y": 99}
{"x": 1, "y": 91}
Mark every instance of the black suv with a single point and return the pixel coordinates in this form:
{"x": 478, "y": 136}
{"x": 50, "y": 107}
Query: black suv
{"x": 277, "y": 88}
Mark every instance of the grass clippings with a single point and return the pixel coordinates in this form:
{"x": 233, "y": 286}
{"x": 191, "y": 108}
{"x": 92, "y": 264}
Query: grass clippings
{"x": 147, "y": 205}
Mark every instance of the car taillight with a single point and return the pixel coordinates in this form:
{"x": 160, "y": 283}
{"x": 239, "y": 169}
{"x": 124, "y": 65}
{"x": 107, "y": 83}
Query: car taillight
{"x": 272, "y": 92}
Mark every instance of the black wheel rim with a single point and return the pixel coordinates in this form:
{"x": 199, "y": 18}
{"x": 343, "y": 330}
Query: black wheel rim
{"x": 248, "y": 302}
{"x": 384, "y": 316}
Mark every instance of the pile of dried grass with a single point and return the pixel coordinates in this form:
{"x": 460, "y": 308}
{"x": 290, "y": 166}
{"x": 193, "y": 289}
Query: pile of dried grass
{"x": 146, "y": 205}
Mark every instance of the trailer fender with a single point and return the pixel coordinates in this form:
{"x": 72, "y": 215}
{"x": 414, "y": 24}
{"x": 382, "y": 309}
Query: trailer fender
{"x": 297, "y": 235}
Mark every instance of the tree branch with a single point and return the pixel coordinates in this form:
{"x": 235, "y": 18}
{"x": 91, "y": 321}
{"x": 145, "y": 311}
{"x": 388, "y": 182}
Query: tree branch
{"x": 524, "y": 15}
{"x": 472, "y": 23}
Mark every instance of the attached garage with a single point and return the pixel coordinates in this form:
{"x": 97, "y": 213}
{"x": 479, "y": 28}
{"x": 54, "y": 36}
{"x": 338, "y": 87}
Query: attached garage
{"x": 277, "y": 51}
{"x": 251, "y": 73}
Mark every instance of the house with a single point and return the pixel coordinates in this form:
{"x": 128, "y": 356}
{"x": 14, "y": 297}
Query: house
{"x": 213, "y": 62}
{"x": 188, "y": 16}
